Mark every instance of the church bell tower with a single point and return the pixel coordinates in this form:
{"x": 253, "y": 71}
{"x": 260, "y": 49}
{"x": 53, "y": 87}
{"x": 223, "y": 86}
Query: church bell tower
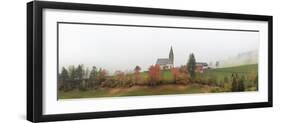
{"x": 171, "y": 55}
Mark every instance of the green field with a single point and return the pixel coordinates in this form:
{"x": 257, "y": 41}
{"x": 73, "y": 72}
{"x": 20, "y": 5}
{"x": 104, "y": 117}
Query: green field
{"x": 218, "y": 75}
{"x": 249, "y": 71}
{"x": 166, "y": 76}
{"x": 240, "y": 70}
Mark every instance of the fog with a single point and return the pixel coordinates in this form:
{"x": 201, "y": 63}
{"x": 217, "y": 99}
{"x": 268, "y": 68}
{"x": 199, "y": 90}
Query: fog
{"x": 122, "y": 47}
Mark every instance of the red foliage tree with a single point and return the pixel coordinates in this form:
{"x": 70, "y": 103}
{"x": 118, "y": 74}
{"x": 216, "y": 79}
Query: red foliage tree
{"x": 176, "y": 73}
{"x": 154, "y": 74}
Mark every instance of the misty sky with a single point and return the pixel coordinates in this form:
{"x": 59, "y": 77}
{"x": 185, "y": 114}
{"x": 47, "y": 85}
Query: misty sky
{"x": 122, "y": 48}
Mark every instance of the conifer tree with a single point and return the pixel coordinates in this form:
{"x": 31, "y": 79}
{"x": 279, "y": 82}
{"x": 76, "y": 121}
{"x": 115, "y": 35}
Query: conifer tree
{"x": 63, "y": 78}
{"x": 191, "y": 65}
{"x": 234, "y": 83}
{"x": 64, "y": 75}
{"x": 241, "y": 86}
{"x": 79, "y": 72}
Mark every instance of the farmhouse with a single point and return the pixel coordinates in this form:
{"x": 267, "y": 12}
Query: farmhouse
{"x": 166, "y": 63}
{"x": 201, "y": 67}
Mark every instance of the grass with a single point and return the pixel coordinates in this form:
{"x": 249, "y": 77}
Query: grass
{"x": 137, "y": 91}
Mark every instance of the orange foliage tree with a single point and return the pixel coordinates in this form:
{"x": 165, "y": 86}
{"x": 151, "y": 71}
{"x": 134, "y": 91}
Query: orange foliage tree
{"x": 176, "y": 73}
{"x": 154, "y": 74}
{"x": 120, "y": 77}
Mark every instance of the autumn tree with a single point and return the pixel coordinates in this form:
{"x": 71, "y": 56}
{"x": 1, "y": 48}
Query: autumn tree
{"x": 101, "y": 76}
{"x": 120, "y": 77}
{"x": 129, "y": 80}
{"x": 154, "y": 74}
{"x": 183, "y": 69}
{"x": 176, "y": 73}
{"x": 137, "y": 75}
{"x": 191, "y": 65}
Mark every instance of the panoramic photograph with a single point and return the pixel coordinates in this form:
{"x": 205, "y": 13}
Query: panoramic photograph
{"x": 111, "y": 60}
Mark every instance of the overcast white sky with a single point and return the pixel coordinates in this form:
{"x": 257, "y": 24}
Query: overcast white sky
{"x": 122, "y": 48}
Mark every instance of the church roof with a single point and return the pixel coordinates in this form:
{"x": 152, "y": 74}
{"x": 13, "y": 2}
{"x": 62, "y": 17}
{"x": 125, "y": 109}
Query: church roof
{"x": 163, "y": 61}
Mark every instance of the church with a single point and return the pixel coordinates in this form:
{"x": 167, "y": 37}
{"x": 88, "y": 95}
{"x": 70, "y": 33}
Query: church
{"x": 166, "y": 63}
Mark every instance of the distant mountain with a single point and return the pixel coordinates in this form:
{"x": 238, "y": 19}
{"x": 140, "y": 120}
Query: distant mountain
{"x": 250, "y": 57}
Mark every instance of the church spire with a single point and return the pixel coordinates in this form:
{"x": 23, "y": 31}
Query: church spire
{"x": 171, "y": 55}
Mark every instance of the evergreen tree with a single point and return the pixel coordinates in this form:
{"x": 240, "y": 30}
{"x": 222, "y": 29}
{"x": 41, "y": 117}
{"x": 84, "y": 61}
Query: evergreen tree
{"x": 234, "y": 83}
{"x": 79, "y": 72}
{"x": 257, "y": 81}
{"x": 191, "y": 65}
{"x": 93, "y": 77}
{"x": 241, "y": 86}
{"x": 226, "y": 79}
{"x": 87, "y": 73}
{"x": 64, "y": 75}
{"x": 63, "y": 78}
{"x": 93, "y": 73}
{"x": 72, "y": 72}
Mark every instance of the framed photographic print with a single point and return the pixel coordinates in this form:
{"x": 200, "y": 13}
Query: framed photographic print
{"x": 96, "y": 61}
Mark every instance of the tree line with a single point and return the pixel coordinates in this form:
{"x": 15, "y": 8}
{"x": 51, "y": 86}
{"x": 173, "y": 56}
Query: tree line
{"x": 83, "y": 78}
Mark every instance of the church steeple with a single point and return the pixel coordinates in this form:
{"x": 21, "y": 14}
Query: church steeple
{"x": 171, "y": 55}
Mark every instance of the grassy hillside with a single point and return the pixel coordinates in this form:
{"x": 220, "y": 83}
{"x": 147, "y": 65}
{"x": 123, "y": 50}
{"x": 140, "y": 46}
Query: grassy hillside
{"x": 220, "y": 74}
{"x": 238, "y": 69}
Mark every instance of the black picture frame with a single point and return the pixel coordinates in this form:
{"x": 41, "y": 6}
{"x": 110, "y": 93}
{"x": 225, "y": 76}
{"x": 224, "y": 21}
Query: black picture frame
{"x": 34, "y": 60}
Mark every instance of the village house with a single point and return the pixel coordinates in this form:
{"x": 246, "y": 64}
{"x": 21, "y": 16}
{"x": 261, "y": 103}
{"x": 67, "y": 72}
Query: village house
{"x": 201, "y": 67}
